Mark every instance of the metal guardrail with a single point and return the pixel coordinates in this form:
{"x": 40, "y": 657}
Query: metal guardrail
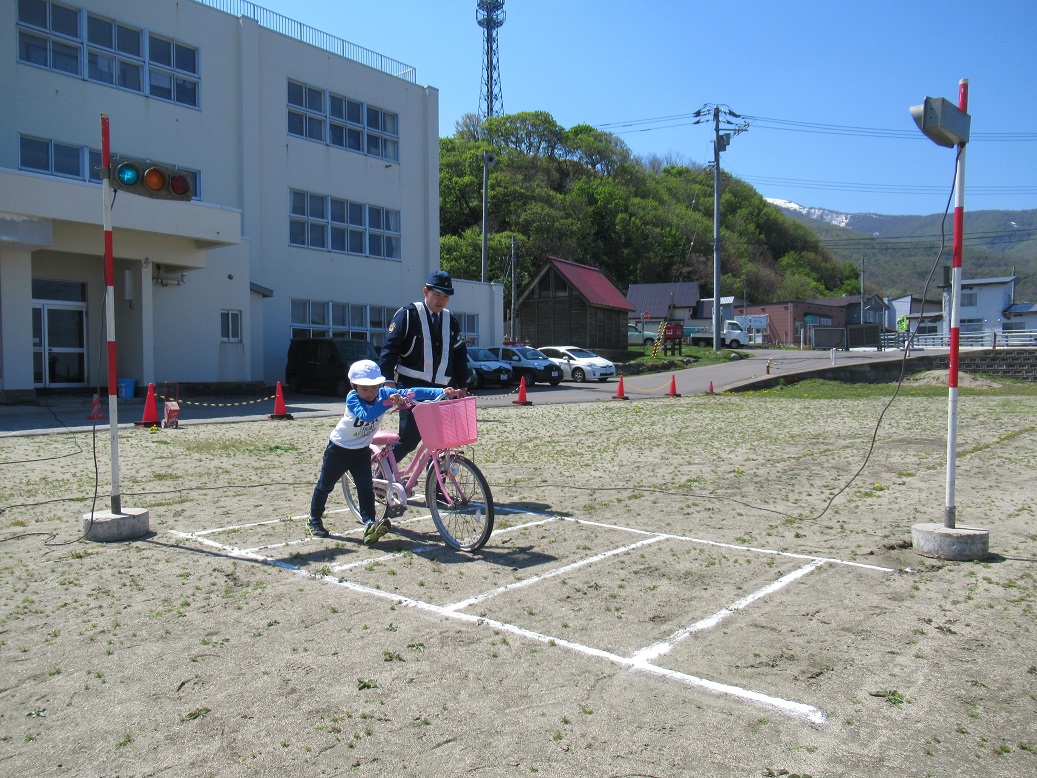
{"x": 303, "y": 32}
{"x": 984, "y": 339}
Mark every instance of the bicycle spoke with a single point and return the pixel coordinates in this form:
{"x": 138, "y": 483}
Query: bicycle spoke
{"x": 464, "y": 513}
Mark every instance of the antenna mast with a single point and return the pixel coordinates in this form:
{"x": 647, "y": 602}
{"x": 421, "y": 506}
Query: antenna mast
{"x": 490, "y": 16}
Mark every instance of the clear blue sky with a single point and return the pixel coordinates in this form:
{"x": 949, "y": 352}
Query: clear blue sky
{"x": 830, "y": 83}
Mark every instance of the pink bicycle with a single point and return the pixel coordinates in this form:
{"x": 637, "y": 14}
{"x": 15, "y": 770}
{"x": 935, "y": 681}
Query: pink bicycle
{"x": 456, "y": 491}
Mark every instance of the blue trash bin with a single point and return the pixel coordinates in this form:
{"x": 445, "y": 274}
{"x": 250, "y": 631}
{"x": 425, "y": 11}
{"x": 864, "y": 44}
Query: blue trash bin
{"x": 126, "y": 387}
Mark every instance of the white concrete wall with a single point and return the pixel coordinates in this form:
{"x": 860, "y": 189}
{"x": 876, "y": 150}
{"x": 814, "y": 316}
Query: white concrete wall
{"x": 236, "y": 233}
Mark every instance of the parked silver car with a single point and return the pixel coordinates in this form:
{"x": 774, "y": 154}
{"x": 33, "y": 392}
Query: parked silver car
{"x": 579, "y": 364}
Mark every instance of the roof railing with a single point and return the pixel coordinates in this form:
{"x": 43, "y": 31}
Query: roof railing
{"x": 322, "y": 40}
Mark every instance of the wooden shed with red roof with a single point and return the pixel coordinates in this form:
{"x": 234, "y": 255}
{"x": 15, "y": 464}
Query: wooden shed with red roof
{"x": 569, "y": 304}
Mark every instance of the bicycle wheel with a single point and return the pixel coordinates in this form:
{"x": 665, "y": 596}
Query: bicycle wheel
{"x": 467, "y": 523}
{"x": 380, "y": 470}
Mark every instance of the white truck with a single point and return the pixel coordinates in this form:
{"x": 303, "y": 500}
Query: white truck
{"x": 699, "y": 332}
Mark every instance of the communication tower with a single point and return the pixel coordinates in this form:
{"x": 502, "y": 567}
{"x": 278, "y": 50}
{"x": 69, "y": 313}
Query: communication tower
{"x": 490, "y": 16}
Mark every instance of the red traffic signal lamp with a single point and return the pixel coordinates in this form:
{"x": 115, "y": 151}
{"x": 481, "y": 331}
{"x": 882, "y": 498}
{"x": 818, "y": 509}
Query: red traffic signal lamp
{"x": 150, "y": 180}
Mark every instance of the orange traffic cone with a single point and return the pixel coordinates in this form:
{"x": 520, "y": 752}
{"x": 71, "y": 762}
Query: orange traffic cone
{"x": 280, "y": 412}
{"x": 522, "y": 393}
{"x": 95, "y": 409}
{"x": 673, "y": 386}
{"x": 619, "y": 392}
{"x": 150, "y": 417}
{"x": 710, "y": 390}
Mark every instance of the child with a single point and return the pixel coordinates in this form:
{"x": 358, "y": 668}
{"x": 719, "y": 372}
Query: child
{"x": 348, "y": 445}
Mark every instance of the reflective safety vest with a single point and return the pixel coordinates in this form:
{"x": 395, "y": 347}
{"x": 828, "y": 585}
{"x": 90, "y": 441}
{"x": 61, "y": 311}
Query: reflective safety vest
{"x": 426, "y": 374}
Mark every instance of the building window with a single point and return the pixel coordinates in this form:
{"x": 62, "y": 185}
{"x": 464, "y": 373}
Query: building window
{"x": 322, "y": 222}
{"x": 114, "y": 53}
{"x": 326, "y": 319}
{"x": 383, "y": 134}
{"x": 172, "y": 71}
{"x": 383, "y": 236}
{"x": 469, "y": 323}
{"x": 230, "y": 326}
{"x": 969, "y": 299}
{"x": 51, "y": 157}
{"x": 70, "y": 40}
{"x": 326, "y": 117}
{"x": 972, "y": 325}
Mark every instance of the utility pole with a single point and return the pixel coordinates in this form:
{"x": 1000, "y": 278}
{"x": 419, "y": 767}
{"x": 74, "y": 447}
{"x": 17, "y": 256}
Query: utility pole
{"x": 862, "y": 290}
{"x": 720, "y": 143}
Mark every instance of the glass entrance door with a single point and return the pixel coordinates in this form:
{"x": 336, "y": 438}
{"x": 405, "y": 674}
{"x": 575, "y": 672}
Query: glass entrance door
{"x": 59, "y": 344}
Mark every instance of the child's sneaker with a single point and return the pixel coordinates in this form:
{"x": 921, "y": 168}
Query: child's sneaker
{"x": 375, "y": 530}
{"x": 317, "y": 529}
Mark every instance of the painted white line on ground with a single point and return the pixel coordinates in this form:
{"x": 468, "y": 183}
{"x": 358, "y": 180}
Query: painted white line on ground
{"x": 733, "y": 546}
{"x": 639, "y": 662}
{"x": 664, "y": 646}
{"x": 383, "y": 558}
{"x": 799, "y": 710}
{"x": 543, "y": 577}
{"x": 796, "y": 709}
{"x": 232, "y": 527}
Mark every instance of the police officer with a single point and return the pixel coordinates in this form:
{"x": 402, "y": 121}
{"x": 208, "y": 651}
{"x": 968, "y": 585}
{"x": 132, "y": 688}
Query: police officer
{"x": 424, "y": 347}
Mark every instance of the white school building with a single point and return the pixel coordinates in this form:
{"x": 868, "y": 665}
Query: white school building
{"x": 315, "y": 210}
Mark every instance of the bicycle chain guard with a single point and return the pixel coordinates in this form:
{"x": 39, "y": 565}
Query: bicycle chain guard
{"x": 397, "y": 499}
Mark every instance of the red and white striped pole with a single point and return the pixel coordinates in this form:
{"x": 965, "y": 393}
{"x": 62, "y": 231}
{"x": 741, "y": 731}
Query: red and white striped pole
{"x": 109, "y": 312}
{"x": 952, "y": 373}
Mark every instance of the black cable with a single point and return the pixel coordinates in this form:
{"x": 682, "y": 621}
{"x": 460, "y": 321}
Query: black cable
{"x": 878, "y": 421}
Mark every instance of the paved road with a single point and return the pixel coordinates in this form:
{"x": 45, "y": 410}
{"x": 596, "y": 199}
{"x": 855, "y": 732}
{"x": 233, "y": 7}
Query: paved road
{"x": 55, "y": 414}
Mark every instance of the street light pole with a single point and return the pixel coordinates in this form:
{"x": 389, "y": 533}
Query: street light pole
{"x": 487, "y": 161}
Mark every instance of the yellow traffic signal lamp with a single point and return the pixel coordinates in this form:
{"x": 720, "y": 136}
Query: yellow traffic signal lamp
{"x": 150, "y": 180}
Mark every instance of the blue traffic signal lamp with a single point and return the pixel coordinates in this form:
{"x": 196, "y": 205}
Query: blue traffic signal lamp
{"x": 150, "y": 180}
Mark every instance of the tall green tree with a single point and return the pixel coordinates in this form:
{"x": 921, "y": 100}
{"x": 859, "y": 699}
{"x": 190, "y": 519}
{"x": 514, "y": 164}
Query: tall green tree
{"x": 579, "y": 194}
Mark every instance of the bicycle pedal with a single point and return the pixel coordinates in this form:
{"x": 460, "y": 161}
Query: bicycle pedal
{"x": 395, "y": 511}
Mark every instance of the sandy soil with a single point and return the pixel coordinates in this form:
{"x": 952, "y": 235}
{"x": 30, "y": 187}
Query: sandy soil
{"x": 677, "y": 587}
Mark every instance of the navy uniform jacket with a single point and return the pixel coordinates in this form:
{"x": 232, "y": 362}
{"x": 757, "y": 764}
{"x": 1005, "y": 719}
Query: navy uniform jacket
{"x": 413, "y": 352}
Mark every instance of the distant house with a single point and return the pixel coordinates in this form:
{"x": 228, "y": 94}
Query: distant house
{"x": 567, "y": 303}
{"x": 988, "y": 305}
{"x": 923, "y": 317}
{"x": 791, "y": 322}
{"x": 875, "y": 308}
{"x": 663, "y": 302}
{"x": 1020, "y": 316}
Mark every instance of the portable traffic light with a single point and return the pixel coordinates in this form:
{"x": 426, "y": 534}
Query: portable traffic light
{"x": 150, "y": 180}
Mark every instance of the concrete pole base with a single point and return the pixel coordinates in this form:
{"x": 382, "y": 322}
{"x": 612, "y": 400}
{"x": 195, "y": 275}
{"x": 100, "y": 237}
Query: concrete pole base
{"x": 108, "y": 527}
{"x": 957, "y": 544}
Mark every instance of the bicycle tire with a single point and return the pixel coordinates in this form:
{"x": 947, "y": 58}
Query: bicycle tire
{"x": 468, "y": 525}
{"x": 379, "y": 469}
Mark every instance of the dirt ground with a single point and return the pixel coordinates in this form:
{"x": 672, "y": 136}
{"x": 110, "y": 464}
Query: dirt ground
{"x": 693, "y": 586}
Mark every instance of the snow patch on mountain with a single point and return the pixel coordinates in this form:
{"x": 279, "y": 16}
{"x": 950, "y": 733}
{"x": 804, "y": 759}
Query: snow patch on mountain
{"x": 818, "y": 214}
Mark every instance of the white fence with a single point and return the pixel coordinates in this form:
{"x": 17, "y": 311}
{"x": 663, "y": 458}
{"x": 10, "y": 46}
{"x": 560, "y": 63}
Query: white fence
{"x": 984, "y": 339}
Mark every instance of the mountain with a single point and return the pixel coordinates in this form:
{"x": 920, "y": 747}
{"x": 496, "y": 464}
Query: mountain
{"x": 899, "y": 252}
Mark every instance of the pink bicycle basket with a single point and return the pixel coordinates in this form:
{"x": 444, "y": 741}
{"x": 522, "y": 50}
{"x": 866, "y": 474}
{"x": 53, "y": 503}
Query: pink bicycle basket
{"x": 447, "y": 423}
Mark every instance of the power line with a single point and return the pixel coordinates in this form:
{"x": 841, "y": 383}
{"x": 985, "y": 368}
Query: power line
{"x": 850, "y": 186}
{"x": 792, "y": 125}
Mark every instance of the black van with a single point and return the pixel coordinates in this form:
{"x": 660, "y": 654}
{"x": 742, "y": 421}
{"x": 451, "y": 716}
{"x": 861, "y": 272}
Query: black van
{"x": 322, "y": 364}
